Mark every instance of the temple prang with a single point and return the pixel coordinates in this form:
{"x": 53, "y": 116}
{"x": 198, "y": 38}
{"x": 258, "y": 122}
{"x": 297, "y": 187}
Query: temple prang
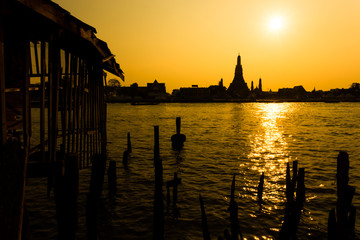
{"x": 238, "y": 88}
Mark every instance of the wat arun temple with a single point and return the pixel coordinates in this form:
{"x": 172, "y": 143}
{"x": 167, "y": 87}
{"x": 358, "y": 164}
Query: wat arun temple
{"x": 238, "y": 88}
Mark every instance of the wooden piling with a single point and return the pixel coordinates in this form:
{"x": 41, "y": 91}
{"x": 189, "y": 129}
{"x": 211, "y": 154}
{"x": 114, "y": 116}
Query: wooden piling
{"x": 300, "y": 190}
{"x": 125, "y": 157}
{"x": 91, "y": 216}
{"x": 96, "y": 185}
{"x": 158, "y": 223}
{"x": 97, "y": 174}
{"x": 178, "y": 139}
{"x": 289, "y": 189}
{"x": 332, "y": 225}
{"x": 233, "y": 209}
{"x": 261, "y": 187}
{"x": 66, "y": 193}
{"x": 112, "y": 178}
{"x": 11, "y": 172}
{"x": 295, "y": 173}
{"x": 204, "y": 224}
{"x": 345, "y": 212}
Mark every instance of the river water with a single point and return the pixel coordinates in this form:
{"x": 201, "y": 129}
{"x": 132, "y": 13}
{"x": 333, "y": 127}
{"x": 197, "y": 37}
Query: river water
{"x": 223, "y": 139}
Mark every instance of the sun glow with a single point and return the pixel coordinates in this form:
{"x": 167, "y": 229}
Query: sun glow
{"x": 276, "y": 23}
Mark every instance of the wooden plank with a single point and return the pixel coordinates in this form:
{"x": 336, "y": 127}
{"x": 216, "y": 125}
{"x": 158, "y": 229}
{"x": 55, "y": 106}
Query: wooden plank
{"x": 57, "y": 76}
{"x": 36, "y": 57}
{"x": 74, "y": 96}
{"x": 90, "y": 109}
{"x": 69, "y": 106}
{"x": 96, "y": 106}
{"x": 82, "y": 75}
{"x": 54, "y": 76}
{"x": 77, "y": 107}
{"x": 65, "y": 99}
{"x": 87, "y": 116}
{"x": 50, "y": 100}
{"x": 42, "y": 100}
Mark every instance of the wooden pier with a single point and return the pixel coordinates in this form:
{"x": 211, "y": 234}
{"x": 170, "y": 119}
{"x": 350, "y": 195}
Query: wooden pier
{"x": 41, "y": 42}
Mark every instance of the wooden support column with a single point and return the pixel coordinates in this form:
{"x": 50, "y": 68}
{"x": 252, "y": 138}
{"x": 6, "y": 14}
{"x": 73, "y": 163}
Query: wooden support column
{"x": 2, "y": 84}
{"x": 13, "y": 163}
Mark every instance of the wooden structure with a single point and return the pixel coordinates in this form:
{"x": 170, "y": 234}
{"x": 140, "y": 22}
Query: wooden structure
{"x": 41, "y": 42}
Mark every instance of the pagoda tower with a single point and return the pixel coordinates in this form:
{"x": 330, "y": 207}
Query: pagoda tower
{"x": 238, "y": 88}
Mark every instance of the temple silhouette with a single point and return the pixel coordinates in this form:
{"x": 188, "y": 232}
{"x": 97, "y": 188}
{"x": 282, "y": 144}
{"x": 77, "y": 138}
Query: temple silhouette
{"x": 238, "y": 88}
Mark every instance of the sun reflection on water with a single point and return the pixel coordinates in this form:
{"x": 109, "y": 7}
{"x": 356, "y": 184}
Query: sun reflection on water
{"x": 269, "y": 150}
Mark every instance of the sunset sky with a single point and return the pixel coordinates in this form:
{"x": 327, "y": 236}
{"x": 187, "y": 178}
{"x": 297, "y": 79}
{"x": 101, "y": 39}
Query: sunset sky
{"x": 181, "y": 43}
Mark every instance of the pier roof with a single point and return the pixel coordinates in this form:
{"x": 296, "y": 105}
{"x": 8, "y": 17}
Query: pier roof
{"x": 77, "y": 29}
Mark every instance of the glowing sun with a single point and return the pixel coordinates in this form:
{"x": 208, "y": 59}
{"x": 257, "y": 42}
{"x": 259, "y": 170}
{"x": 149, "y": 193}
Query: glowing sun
{"x": 276, "y": 24}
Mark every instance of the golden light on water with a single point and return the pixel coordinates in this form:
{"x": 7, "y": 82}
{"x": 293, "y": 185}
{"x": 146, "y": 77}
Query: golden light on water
{"x": 269, "y": 148}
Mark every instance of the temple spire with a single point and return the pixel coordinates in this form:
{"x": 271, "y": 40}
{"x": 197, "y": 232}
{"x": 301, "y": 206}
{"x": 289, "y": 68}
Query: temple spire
{"x": 238, "y": 88}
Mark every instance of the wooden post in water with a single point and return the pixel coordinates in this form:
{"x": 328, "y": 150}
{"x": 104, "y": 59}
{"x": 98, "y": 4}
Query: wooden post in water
{"x": 97, "y": 174}
{"x": 332, "y": 225}
{"x": 178, "y": 139}
{"x": 295, "y": 174}
{"x": 204, "y": 223}
{"x": 289, "y": 190}
{"x": 261, "y": 188}
{"x": 300, "y": 190}
{"x": 158, "y": 223}
{"x": 345, "y": 212}
{"x": 129, "y": 143}
{"x": 112, "y": 178}
{"x": 66, "y": 193}
{"x": 125, "y": 157}
{"x": 96, "y": 185}
{"x": 233, "y": 208}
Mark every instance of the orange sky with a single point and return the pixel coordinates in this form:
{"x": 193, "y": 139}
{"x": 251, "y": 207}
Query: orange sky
{"x": 186, "y": 42}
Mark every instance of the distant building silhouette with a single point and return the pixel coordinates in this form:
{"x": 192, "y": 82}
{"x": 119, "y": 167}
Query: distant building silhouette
{"x": 238, "y": 88}
{"x": 297, "y": 92}
{"x": 152, "y": 92}
{"x": 260, "y": 85}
